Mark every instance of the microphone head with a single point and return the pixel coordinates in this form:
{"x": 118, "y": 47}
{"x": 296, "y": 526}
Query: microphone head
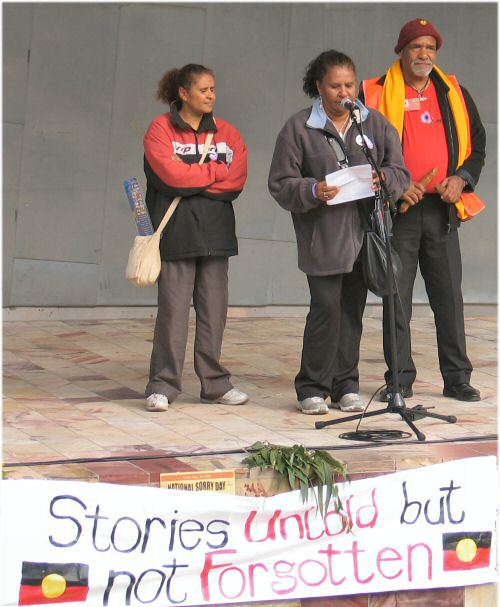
{"x": 348, "y": 104}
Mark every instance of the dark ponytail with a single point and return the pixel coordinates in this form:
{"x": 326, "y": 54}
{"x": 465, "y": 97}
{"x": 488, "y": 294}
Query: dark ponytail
{"x": 318, "y": 67}
{"x": 171, "y": 81}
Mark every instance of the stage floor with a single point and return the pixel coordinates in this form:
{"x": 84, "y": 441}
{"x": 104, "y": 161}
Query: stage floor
{"x": 74, "y": 389}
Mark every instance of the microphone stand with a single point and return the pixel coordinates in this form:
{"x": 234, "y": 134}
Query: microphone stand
{"x": 396, "y": 403}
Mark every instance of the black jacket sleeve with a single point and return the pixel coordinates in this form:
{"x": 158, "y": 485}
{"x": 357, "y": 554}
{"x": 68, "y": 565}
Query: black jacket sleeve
{"x": 471, "y": 168}
{"x": 361, "y": 93}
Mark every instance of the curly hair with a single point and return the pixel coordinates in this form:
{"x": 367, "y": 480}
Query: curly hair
{"x": 168, "y": 86}
{"x": 318, "y": 67}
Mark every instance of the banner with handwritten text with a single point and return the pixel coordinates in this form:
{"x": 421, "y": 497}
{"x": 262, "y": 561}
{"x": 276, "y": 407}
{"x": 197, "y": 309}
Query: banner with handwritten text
{"x": 113, "y": 545}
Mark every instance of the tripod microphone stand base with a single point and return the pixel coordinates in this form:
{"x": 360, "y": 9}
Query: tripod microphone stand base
{"x": 396, "y": 405}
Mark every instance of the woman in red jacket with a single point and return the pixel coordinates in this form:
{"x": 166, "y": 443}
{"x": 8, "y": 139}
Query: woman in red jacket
{"x": 199, "y": 238}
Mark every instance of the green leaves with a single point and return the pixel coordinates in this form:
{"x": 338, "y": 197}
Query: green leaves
{"x": 303, "y": 468}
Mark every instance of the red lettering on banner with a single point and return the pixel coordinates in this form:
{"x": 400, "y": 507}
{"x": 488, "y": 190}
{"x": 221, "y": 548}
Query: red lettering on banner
{"x": 231, "y": 584}
{"x": 334, "y": 523}
{"x": 330, "y": 553}
{"x": 382, "y": 559}
{"x": 356, "y": 564}
{"x": 355, "y": 551}
{"x": 285, "y": 575}
{"x": 300, "y": 525}
{"x": 308, "y": 531}
{"x": 428, "y": 550}
{"x": 371, "y": 508}
{"x": 271, "y": 530}
{"x": 251, "y": 568}
{"x": 302, "y": 578}
{"x": 344, "y": 519}
{"x": 208, "y": 567}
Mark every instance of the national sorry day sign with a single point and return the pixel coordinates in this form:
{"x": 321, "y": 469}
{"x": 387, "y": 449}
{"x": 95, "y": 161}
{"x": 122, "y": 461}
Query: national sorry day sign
{"x": 92, "y": 544}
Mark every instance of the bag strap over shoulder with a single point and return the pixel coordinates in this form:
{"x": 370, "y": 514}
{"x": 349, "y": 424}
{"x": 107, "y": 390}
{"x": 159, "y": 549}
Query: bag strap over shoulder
{"x": 177, "y": 199}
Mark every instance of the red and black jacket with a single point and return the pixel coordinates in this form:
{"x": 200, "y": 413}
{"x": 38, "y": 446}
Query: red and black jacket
{"x": 203, "y": 223}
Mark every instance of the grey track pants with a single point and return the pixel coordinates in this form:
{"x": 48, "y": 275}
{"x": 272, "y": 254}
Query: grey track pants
{"x": 205, "y": 280}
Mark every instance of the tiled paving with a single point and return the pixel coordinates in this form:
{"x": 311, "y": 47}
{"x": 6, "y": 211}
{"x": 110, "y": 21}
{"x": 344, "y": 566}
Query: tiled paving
{"x": 74, "y": 389}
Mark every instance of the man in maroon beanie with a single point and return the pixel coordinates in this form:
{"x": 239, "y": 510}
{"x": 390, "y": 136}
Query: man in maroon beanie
{"x": 443, "y": 143}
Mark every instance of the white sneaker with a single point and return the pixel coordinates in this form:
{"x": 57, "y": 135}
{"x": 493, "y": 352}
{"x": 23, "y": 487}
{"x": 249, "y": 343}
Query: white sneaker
{"x": 156, "y": 402}
{"x": 233, "y": 397}
{"x": 314, "y": 405}
{"x": 350, "y": 402}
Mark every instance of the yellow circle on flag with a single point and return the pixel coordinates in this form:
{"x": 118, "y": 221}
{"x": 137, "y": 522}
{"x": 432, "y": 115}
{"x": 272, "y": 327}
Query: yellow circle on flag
{"x": 466, "y": 550}
{"x": 53, "y": 586}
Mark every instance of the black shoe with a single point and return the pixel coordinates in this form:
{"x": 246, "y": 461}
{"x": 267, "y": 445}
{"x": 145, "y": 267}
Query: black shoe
{"x": 385, "y": 395}
{"x": 463, "y": 392}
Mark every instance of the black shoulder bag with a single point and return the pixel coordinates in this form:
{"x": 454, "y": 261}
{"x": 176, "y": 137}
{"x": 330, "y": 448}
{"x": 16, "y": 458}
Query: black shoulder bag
{"x": 374, "y": 255}
{"x": 373, "y": 252}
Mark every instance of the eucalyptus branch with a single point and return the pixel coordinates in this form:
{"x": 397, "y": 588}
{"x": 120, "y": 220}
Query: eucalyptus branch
{"x": 303, "y": 468}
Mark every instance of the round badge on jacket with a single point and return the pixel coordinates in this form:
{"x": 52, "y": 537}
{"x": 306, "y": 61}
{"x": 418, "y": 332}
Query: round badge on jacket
{"x": 368, "y": 141}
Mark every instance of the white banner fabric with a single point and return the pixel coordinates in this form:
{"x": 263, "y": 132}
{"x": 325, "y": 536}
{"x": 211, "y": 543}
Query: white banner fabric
{"x": 105, "y": 545}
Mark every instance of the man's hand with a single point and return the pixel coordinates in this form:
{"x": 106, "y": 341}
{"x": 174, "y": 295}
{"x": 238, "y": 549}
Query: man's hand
{"x": 412, "y": 196}
{"x": 414, "y": 193}
{"x": 451, "y": 189}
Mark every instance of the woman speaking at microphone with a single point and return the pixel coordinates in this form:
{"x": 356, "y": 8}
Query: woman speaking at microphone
{"x": 313, "y": 143}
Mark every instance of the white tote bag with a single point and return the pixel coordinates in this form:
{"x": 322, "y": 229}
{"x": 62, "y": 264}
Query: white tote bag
{"x": 144, "y": 261}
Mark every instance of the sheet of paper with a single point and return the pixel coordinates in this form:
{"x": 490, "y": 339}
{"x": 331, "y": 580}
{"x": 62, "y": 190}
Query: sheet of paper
{"x": 354, "y": 182}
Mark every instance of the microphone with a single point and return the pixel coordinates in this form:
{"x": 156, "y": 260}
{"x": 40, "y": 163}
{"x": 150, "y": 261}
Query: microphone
{"x": 349, "y": 104}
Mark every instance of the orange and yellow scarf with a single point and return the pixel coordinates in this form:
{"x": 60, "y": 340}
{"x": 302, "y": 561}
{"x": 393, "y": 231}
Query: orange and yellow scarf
{"x": 392, "y": 104}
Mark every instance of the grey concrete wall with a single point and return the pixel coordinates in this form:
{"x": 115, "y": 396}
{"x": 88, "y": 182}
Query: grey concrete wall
{"x": 79, "y": 83}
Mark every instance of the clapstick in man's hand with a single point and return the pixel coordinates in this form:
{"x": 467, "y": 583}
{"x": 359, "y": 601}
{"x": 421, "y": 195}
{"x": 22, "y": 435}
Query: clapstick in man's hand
{"x": 424, "y": 182}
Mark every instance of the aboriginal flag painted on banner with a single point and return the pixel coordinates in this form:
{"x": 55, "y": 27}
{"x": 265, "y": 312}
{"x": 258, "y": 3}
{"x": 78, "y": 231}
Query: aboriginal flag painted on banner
{"x": 466, "y": 550}
{"x": 45, "y": 583}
